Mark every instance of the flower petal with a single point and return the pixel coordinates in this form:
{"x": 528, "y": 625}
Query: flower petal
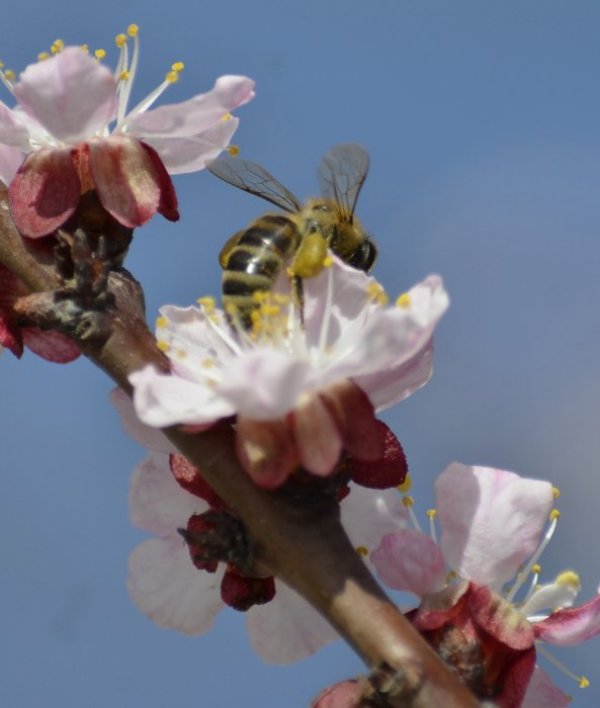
{"x": 72, "y": 95}
{"x": 409, "y": 560}
{"x": 131, "y": 182}
{"x": 570, "y": 626}
{"x": 157, "y": 503}
{"x": 317, "y": 436}
{"x": 368, "y": 515}
{"x": 195, "y": 115}
{"x": 287, "y": 629}
{"x": 150, "y": 438}
{"x": 163, "y": 399}
{"x": 50, "y": 345}
{"x": 266, "y": 450}
{"x": 11, "y": 159}
{"x": 190, "y": 154}
{"x": 164, "y": 584}
{"x": 13, "y": 131}
{"x": 491, "y": 520}
{"x": 542, "y": 693}
{"x": 44, "y": 192}
{"x": 10, "y": 334}
{"x": 345, "y": 694}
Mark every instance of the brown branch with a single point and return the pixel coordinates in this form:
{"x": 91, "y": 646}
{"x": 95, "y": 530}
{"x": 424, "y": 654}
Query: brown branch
{"x": 308, "y": 549}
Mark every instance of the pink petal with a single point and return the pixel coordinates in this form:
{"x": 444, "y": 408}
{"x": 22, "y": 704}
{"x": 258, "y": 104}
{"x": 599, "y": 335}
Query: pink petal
{"x": 277, "y": 380}
{"x": 10, "y": 334}
{"x": 499, "y": 618}
{"x": 368, "y": 515}
{"x": 570, "y": 626}
{"x": 156, "y": 502}
{"x": 131, "y": 182}
{"x": 491, "y": 520}
{"x": 44, "y": 192}
{"x": 164, "y": 584}
{"x": 345, "y": 694}
{"x": 287, "y": 629}
{"x": 266, "y": 450}
{"x": 72, "y": 95}
{"x": 409, "y": 560}
{"x": 317, "y": 437}
{"x": 10, "y": 160}
{"x": 50, "y": 345}
{"x": 189, "y": 154}
{"x": 542, "y": 693}
{"x": 150, "y": 438}
{"x": 196, "y": 114}
{"x": 164, "y": 399}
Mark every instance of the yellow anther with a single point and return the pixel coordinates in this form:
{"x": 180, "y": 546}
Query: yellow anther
{"x": 362, "y": 551}
{"x": 555, "y": 492}
{"x": 431, "y": 513}
{"x": 327, "y": 261}
{"x": 584, "y": 682}
{"x": 133, "y": 30}
{"x": 100, "y": 54}
{"x": 568, "y": 578}
{"x": 10, "y": 74}
{"x": 406, "y": 486}
{"x": 162, "y": 321}
{"x": 233, "y": 150}
{"x": 121, "y": 40}
{"x": 163, "y": 346}
{"x": 57, "y": 46}
{"x": 207, "y": 302}
{"x": 226, "y": 116}
{"x": 451, "y": 576}
{"x": 554, "y": 514}
{"x": 208, "y": 363}
{"x": 42, "y": 56}
{"x": 124, "y": 75}
{"x": 85, "y": 48}
{"x": 178, "y": 66}
{"x": 403, "y": 300}
{"x": 536, "y": 568}
{"x": 255, "y": 316}
{"x": 172, "y": 77}
{"x": 408, "y": 501}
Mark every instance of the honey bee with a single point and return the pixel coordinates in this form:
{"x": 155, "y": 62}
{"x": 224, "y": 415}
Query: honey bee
{"x": 253, "y": 258}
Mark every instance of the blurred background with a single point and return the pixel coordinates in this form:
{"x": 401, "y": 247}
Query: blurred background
{"x": 482, "y": 122}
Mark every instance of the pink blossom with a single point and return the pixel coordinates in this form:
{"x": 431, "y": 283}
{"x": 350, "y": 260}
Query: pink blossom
{"x": 70, "y": 132}
{"x": 303, "y": 389}
{"x": 494, "y": 527}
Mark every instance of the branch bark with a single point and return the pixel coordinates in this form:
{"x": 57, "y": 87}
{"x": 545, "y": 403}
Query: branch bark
{"x": 307, "y": 549}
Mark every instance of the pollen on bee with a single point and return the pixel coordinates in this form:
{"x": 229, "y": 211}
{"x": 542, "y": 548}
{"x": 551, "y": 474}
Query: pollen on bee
{"x": 403, "y": 300}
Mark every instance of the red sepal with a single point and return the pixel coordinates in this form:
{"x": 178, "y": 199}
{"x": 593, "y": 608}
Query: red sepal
{"x": 388, "y": 471}
{"x": 242, "y": 593}
{"x": 188, "y": 476}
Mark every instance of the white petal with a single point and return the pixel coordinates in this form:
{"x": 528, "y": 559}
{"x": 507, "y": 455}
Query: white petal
{"x": 10, "y": 160}
{"x": 157, "y": 502}
{"x": 144, "y": 435}
{"x": 165, "y": 585}
{"x": 13, "y": 132}
{"x": 72, "y": 95}
{"x": 287, "y": 629}
{"x": 491, "y": 520}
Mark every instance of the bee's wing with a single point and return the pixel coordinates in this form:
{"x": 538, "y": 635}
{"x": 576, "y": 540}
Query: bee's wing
{"x": 254, "y": 179}
{"x": 341, "y": 174}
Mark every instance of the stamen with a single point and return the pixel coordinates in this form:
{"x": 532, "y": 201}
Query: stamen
{"x": 163, "y": 346}
{"x": 233, "y": 150}
{"x": 57, "y": 46}
{"x": 42, "y": 56}
{"x": 522, "y": 575}
{"x": 161, "y": 321}
{"x": 409, "y": 502}
{"x": 536, "y": 569}
{"x": 327, "y": 310}
{"x": 125, "y": 87}
{"x": 432, "y": 514}
{"x": 582, "y": 681}
{"x": 362, "y": 551}
{"x": 100, "y": 54}
{"x": 406, "y": 486}
{"x": 403, "y": 300}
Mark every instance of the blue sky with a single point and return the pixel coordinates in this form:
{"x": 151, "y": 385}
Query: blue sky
{"x": 482, "y": 122}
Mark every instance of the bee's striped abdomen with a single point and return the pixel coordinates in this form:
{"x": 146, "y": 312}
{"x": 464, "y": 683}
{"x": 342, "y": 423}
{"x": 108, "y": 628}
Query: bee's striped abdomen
{"x": 255, "y": 262}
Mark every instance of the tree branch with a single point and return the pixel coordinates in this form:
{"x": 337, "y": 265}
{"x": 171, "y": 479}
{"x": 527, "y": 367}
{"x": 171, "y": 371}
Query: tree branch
{"x": 308, "y": 549}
